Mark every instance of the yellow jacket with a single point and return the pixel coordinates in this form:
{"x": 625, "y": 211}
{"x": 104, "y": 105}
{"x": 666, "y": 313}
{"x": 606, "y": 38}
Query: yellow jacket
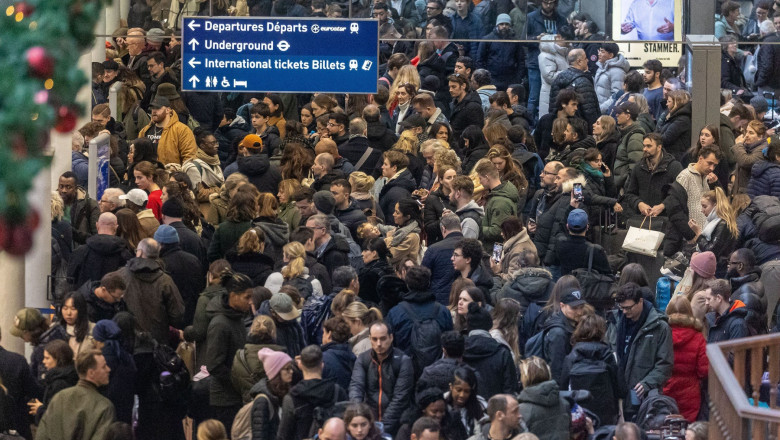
{"x": 177, "y": 143}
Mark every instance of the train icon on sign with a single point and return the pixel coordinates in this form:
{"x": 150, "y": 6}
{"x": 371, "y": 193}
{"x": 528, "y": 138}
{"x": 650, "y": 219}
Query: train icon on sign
{"x": 353, "y": 28}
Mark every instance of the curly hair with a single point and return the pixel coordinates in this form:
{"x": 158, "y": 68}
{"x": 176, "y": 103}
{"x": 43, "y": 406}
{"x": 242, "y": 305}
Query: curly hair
{"x": 296, "y": 159}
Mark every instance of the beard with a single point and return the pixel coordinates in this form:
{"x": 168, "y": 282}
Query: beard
{"x": 732, "y": 273}
{"x": 504, "y": 33}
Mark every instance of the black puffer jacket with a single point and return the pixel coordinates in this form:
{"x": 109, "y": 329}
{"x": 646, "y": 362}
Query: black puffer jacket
{"x": 675, "y": 131}
{"x": 545, "y": 220}
{"x": 438, "y": 374}
{"x": 265, "y": 412}
{"x": 98, "y": 309}
{"x": 721, "y": 243}
{"x": 731, "y": 325}
{"x": 531, "y": 284}
{"x": 557, "y": 342}
{"x": 582, "y": 82}
{"x": 544, "y": 411}
{"x": 54, "y": 381}
{"x": 256, "y": 265}
{"x": 379, "y": 136}
{"x": 368, "y": 276}
{"x": 494, "y": 361}
{"x": 184, "y": 269}
{"x": 466, "y": 112}
{"x": 387, "y": 387}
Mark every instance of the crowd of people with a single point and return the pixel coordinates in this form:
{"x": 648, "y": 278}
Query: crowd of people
{"x": 444, "y": 259}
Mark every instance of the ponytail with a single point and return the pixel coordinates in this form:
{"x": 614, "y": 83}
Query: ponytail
{"x": 295, "y": 252}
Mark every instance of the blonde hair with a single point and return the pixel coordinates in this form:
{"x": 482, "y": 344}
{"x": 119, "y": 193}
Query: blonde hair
{"x": 495, "y": 134}
{"x": 448, "y": 158}
{"x": 341, "y": 301}
{"x": 251, "y": 241}
{"x": 358, "y": 310}
{"x": 289, "y": 186}
{"x": 211, "y": 429}
{"x": 57, "y": 206}
{"x": 641, "y": 101}
{"x": 607, "y": 127}
{"x": 361, "y": 182}
{"x": 679, "y": 99}
{"x": 534, "y": 370}
{"x": 723, "y": 209}
{"x": 264, "y": 327}
{"x": 558, "y": 129}
{"x": 434, "y": 144}
{"x": 296, "y": 254}
{"x": 267, "y": 205}
{"x": 407, "y": 74}
{"x": 407, "y": 143}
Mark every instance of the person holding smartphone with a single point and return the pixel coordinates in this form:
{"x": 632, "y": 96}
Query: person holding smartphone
{"x": 600, "y": 185}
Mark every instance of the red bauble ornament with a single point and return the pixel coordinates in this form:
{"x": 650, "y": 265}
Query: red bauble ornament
{"x": 66, "y": 120}
{"x": 21, "y": 240}
{"x": 40, "y": 64}
{"x": 24, "y": 7}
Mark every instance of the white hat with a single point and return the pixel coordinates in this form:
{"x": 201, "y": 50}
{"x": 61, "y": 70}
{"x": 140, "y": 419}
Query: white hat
{"x": 137, "y": 196}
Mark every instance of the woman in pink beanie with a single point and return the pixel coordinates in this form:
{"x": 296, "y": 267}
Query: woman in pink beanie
{"x": 267, "y": 394}
{"x": 703, "y": 266}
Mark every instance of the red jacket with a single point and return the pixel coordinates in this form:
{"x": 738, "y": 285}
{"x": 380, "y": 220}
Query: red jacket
{"x": 690, "y": 366}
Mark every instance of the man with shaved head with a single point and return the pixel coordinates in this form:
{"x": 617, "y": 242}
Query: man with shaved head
{"x": 333, "y": 429}
{"x": 103, "y": 253}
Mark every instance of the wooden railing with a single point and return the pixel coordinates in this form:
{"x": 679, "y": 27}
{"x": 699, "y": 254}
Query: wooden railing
{"x": 732, "y": 416}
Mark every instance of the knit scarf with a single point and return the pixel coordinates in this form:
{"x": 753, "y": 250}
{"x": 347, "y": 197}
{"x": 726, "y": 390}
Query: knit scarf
{"x": 712, "y": 222}
{"x": 401, "y": 233}
{"x": 587, "y": 168}
{"x": 211, "y": 160}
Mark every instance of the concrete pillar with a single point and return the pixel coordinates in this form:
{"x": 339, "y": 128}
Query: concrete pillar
{"x": 12, "y": 297}
{"x": 112, "y": 19}
{"x": 702, "y": 22}
{"x": 705, "y": 56}
{"x": 124, "y": 8}
{"x": 99, "y": 47}
{"x": 37, "y": 262}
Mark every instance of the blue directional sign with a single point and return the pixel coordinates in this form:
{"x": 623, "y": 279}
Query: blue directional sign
{"x": 228, "y": 54}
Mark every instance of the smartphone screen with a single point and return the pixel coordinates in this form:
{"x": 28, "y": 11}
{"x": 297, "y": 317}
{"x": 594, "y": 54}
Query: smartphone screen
{"x": 578, "y": 192}
{"x": 497, "y": 248}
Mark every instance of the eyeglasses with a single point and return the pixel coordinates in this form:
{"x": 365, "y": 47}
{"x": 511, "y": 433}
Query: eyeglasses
{"x": 547, "y": 173}
{"x": 331, "y": 124}
{"x": 455, "y": 254}
{"x": 432, "y": 8}
{"x": 734, "y": 263}
{"x": 626, "y": 308}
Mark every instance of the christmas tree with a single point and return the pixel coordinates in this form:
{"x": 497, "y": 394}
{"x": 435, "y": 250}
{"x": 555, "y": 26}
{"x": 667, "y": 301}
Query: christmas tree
{"x": 40, "y": 44}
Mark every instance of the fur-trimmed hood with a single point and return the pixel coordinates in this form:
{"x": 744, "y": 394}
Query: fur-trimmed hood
{"x": 569, "y": 184}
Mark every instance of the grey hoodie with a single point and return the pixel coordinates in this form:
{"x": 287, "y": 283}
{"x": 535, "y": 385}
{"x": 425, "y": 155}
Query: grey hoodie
{"x": 469, "y": 226}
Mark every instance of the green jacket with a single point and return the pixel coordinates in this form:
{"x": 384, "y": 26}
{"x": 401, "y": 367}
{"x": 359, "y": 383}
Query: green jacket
{"x": 289, "y": 214}
{"x": 501, "y": 203}
{"x": 243, "y": 379}
{"x": 629, "y": 153}
{"x": 225, "y": 237}
{"x": 200, "y": 323}
{"x": 651, "y": 355}
{"x": 77, "y": 413}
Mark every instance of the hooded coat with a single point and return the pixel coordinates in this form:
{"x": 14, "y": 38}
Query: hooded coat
{"x": 609, "y": 79}
{"x": 494, "y": 361}
{"x": 395, "y": 190}
{"x": 765, "y": 179}
{"x": 690, "y": 367}
{"x": 256, "y": 265}
{"x": 299, "y": 404}
{"x": 629, "y": 153}
{"x": 339, "y": 361}
{"x": 153, "y": 298}
{"x": 675, "y": 131}
{"x": 501, "y": 203}
{"x": 730, "y": 325}
{"x": 552, "y": 60}
{"x": 582, "y": 82}
{"x": 101, "y": 254}
{"x": 226, "y": 335}
{"x": 258, "y": 169}
{"x": 529, "y": 285}
{"x": 98, "y": 309}
{"x": 277, "y": 234}
{"x": 504, "y": 61}
{"x": 54, "y": 381}
{"x": 747, "y": 156}
{"x": 603, "y": 402}
{"x": 424, "y": 305}
{"x": 369, "y": 275}
{"x": 545, "y": 412}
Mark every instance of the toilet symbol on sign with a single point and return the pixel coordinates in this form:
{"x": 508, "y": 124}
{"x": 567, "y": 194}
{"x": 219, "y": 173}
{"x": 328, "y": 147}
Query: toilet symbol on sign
{"x": 353, "y": 28}
{"x": 353, "y": 65}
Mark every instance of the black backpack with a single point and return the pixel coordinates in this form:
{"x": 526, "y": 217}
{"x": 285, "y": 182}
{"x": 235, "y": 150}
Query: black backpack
{"x": 315, "y": 312}
{"x": 424, "y": 339}
{"x": 531, "y": 324}
{"x": 654, "y": 409}
{"x": 593, "y": 375}
{"x": 596, "y": 287}
{"x": 173, "y": 379}
{"x": 321, "y": 414}
{"x": 765, "y": 213}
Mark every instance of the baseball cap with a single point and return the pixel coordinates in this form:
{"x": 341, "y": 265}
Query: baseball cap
{"x": 503, "y": 19}
{"x": 137, "y": 196}
{"x": 577, "y": 221}
{"x": 283, "y": 306}
{"x": 26, "y": 320}
{"x": 252, "y": 142}
{"x": 160, "y": 101}
{"x": 413, "y": 121}
{"x": 573, "y": 298}
{"x": 628, "y": 107}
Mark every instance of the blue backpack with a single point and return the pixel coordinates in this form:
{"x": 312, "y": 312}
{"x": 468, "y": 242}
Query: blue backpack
{"x": 664, "y": 288}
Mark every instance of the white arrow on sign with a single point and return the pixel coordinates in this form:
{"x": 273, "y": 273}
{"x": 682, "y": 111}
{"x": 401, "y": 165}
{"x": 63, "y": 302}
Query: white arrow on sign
{"x": 194, "y": 80}
{"x": 193, "y": 63}
{"x": 193, "y": 43}
{"x": 193, "y": 25}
